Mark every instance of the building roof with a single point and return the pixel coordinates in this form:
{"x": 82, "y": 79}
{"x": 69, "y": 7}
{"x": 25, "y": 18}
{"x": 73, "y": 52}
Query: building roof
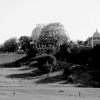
{"x": 96, "y": 34}
{"x": 35, "y": 33}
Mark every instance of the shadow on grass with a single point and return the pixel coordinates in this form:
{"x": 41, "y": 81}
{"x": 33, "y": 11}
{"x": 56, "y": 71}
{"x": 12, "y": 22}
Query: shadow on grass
{"x": 83, "y": 86}
{"x": 53, "y": 79}
{"x": 80, "y": 85}
{"x": 30, "y": 66}
{"x": 29, "y": 75}
{"x": 16, "y": 63}
{"x": 9, "y": 65}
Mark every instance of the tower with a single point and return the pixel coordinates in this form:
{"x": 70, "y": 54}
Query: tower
{"x": 95, "y": 38}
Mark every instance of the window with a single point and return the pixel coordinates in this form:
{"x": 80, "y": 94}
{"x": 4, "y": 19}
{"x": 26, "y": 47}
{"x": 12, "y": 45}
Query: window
{"x": 96, "y": 38}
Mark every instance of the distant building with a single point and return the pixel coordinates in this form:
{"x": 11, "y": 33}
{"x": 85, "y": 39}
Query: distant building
{"x": 41, "y": 46}
{"x": 94, "y": 40}
{"x": 89, "y": 42}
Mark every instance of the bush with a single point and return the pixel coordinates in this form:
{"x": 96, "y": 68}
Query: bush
{"x": 32, "y": 52}
{"x": 67, "y": 72}
{"x": 79, "y": 55}
{"x": 62, "y": 52}
{"x": 94, "y": 61}
{"x": 74, "y": 72}
{"x": 74, "y": 54}
{"x": 84, "y": 55}
{"x": 89, "y": 78}
{"x": 83, "y": 75}
{"x": 51, "y": 50}
{"x": 46, "y": 62}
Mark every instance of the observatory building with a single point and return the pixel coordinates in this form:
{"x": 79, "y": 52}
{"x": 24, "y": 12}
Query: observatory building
{"x": 36, "y": 32}
{"x": 35, "y": 35}
{"x": 95, "y": 39}
{"x": 36, "y": 44}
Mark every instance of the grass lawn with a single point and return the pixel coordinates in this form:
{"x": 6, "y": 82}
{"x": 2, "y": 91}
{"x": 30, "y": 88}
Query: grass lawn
{"x": 29, "y": 84}
{"x": 7, "y": 58}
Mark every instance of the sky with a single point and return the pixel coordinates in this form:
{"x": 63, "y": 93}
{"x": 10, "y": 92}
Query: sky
{"x": 18, "y": 18}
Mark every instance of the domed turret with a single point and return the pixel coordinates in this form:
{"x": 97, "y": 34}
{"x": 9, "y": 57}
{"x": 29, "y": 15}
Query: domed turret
{"x": 35, "y": 33}
{"x": 96, "y": 38}
{"x": 96, "y": 34}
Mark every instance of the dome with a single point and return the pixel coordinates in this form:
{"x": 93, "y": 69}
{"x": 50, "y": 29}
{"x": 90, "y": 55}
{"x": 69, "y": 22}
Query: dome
{"x": 96, "y": 34}
{"x": 35, "y": 33}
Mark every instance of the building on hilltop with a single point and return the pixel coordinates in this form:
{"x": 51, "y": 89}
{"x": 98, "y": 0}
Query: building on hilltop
{"x": 41, "y": 46}
{"x": 94, "y": 40}
{"x": 89, "y": 42}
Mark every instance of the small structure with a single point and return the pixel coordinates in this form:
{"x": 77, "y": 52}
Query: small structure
{"x": 96, "y": 38}
{"x": 89, "y": 42}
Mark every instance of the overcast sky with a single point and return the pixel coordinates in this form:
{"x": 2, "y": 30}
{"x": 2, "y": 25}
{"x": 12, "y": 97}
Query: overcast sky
{"x": 19, "y": 17}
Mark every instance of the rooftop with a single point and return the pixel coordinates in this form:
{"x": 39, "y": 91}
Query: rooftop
{"x": 96, "y": 34}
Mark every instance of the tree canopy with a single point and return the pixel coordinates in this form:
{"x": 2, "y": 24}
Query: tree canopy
{"x": 9, "y": 45}
{"x": 53, "y": 33}
{"x": 24, "y": 43}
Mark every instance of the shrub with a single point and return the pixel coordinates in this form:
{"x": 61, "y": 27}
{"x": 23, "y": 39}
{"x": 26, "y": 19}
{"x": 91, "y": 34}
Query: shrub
{"x": 51, "y": 51}
{"x": 74, "y": 72}
{"x": 83, "y": 75}
{"x": 62, "y": 52}
{"x": 74, "y": 54}
{"x": 46, "y": 62}
{"x": 84, "y": 55}
{"x": 67, "y": 72}
{"x": 79, "y": 55}
{"x": 90, "y": 77}
{"x": 32, "y": 52}
{"x": 94, "y": 61}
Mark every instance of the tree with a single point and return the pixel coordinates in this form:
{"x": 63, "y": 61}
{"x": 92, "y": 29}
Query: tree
{"x": 10, "y": 45}
{"x": 53, "y": 33}
{"x": 63, "y": 52}
{"x": 24, "y": 43}
{"x": 32, "y": 52}
{"x": 1, "y": 48}
{"x": 46, "y": 63}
